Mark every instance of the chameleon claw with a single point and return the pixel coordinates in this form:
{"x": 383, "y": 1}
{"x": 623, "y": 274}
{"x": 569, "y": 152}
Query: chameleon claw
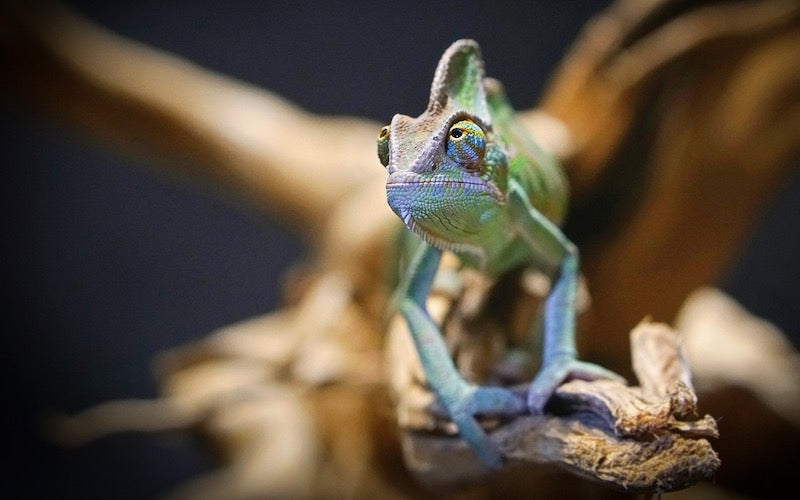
{"x": 559, "y": 371}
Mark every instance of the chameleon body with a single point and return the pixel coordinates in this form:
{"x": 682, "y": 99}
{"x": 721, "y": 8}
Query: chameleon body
{"x": 465, "y": 177}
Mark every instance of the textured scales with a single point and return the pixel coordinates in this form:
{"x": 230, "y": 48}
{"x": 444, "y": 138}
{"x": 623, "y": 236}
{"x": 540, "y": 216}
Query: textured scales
{"x": 464, "y": 176}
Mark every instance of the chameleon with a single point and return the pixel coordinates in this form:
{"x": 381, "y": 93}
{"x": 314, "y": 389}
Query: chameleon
{"x": 465, "y": 177}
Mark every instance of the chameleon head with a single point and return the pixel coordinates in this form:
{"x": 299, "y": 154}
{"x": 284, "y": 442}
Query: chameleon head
{"x": 447, "y": 169}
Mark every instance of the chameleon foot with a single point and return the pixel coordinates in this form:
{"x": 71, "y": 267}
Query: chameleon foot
{"x": 558, "y": 371}
{"x": 483, "y": 401}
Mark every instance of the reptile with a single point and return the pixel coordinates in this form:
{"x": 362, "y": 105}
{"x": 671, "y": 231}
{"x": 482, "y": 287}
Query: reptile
{"x": 466, "y": 177}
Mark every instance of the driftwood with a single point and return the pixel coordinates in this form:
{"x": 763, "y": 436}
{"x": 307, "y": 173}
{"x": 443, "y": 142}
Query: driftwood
{"x": 635, "y": 438}
{"x": 662, "y": 112}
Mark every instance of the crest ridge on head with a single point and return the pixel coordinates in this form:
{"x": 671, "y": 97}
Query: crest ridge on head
{"x": 458, "y": 81}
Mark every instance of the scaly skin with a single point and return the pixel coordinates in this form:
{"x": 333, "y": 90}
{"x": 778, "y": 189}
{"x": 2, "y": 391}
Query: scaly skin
{"x": 465, "y": 177}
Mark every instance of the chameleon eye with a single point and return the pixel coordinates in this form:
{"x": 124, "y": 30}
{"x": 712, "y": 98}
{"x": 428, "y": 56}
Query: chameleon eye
{"x": 383, "y": 146}
{"x": 466, "y": 143}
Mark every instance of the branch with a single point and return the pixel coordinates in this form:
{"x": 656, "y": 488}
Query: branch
{"x": 628, "y": 51}
{"x": 727, "y": 346}
{"x": 635, "y": 438}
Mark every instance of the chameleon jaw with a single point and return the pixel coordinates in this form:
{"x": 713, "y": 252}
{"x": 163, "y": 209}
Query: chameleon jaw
{"x": 400, "y": 201}
{"x": 437, "y": 241}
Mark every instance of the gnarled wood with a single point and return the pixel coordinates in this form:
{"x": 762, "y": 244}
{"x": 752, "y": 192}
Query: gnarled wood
{"x": 640, "y": 439}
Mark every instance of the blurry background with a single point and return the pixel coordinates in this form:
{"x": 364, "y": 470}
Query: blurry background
{"x": 107, "y": 261}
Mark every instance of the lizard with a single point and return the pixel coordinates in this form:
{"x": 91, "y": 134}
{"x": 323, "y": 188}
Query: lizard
{"x": 465, "y": 177}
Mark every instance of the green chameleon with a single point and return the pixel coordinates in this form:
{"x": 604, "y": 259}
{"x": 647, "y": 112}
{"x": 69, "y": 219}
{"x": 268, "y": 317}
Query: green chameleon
{"x": 465, "y": 177}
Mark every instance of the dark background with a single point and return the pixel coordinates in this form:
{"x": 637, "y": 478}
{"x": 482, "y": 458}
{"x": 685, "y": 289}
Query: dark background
{"x": 105, "y": 261}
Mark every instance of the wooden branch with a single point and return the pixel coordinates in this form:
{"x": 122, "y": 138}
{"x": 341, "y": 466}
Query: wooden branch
{"x": 622, "y": 55}
{"x": 635, "y": 438}
{"x": 728, "y": 346}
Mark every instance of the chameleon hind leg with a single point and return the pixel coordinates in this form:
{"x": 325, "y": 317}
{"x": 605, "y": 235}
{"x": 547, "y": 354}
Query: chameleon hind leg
{"x": 463, "y": 401}
{"x": 559, "y": 353}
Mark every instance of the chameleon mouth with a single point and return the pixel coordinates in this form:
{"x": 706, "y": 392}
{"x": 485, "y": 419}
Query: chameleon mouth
{"x": 445, "y": 185}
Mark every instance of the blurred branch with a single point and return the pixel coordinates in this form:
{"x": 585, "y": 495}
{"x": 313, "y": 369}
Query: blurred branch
{"x": 755, "y": 355}
{"x": 623, "y": 54}
{"x": 256, "y": 143}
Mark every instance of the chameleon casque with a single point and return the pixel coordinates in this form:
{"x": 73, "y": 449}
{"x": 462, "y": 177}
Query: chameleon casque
{"x": 465, "y": 177}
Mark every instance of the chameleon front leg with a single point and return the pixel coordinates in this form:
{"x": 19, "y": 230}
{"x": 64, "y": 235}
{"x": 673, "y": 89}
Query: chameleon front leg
{"x": 461, "y": 399}
{"x": 559, "y": 353}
